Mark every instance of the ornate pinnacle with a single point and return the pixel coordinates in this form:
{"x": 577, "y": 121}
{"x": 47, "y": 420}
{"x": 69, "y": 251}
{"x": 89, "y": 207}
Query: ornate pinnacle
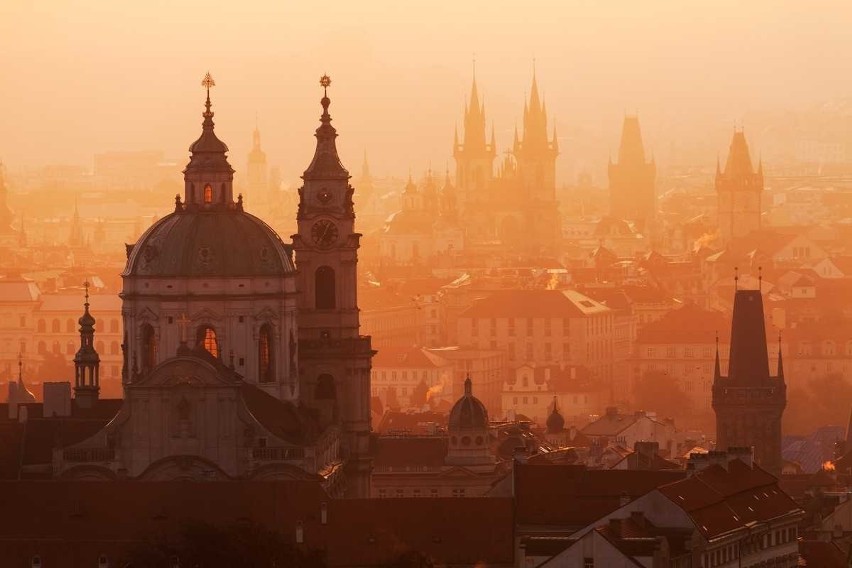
{"x": 325, "y": 83}
{"x": 207, "y": 83}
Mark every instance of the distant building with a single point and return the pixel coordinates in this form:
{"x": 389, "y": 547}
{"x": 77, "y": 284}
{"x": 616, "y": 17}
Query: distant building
{"x": 632, "y": 190}
{"x": 739, "y": 189}
{"x": 749, "y": 401}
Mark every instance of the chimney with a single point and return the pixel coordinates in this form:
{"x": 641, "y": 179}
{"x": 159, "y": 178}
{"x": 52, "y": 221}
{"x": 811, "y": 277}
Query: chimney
{"x": 57, "y": 399}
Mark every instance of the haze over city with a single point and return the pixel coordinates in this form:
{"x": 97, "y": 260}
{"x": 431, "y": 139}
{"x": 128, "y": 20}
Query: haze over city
{"x": 425, "y": 285}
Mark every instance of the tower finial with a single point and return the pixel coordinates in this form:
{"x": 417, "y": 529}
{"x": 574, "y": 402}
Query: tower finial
{"x": 736, "y": 278}
{"x": 760, "y": 278}
{"x": 325, "y": 83}
{"x": 20, "y": 368}
{"x": 86, "y": 286}
{"x": 208, "y": 83}
{"x": 717, "y": 371}
{"x": 780, "y": 358}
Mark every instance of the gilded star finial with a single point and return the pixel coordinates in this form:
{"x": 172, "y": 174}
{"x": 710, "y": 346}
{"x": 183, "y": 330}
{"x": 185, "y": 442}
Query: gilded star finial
{"x": 325, "y": 82}
{"x": 208, "y": 81}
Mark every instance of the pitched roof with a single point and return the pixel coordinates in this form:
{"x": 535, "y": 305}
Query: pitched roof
{"x": 720, "y": 500}
{"x": 406, "y": 452}
{"x": 407, "y": 358}
{"x": 376, "y": 532}
{"x": 534, "y": 304}
{"x": 573, "y": 496}
{"x": 689, "y": 324}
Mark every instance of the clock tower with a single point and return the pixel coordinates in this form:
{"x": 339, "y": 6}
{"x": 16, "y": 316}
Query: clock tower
{"x": 334, "y": 359}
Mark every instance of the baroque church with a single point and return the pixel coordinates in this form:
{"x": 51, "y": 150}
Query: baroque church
{"x": 242, "y": 353}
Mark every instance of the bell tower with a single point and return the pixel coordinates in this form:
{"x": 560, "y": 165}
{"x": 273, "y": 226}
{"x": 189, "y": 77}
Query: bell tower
{"x": 739, "y": 190}
{"x": 334, "y": 359}
{"x": 86, "y": 362}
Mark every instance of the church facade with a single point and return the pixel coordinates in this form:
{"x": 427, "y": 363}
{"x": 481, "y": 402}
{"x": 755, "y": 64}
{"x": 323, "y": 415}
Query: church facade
{"x": 242, "y": 353}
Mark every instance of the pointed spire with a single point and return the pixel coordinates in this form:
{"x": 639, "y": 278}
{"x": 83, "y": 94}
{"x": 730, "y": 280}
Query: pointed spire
{"x": 468, "y": 386}
{"x": 717, "y": 371}
{"x": 780, "y": 374}
{"x": 326, "y": 163}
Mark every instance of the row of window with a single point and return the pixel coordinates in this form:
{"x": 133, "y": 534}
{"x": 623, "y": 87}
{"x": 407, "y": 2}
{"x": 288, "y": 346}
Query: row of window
{"x": 70, "y": 325}
{"x": 416, "y": 492}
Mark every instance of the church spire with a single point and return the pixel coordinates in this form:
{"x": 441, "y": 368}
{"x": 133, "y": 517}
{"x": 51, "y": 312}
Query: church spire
{"x": 208, "y": 177}
{"x": 326, "y": 163}
{"x": 780, "y": 373}
{"x": 86, "y": 361}
{"x": 717, "y": 371}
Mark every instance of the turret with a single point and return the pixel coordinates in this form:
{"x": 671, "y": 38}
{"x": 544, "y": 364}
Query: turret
{"x": 739, "y": 190}
{"x": 86, "y": 361}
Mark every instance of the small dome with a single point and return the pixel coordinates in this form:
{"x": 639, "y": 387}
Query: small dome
{"x": 468, "y": 413}
{"x": 555, "y": 422}
{"x": 220, "y": 242}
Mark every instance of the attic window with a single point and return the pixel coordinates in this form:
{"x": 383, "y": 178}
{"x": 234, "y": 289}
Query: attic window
{"x": 208, "y": 194}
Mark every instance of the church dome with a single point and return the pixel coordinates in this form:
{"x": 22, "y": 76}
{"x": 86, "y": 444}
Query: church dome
{"x": 468, "y": 413}
{"x": 555, "y": 422}
{"x": 219, "y": 242}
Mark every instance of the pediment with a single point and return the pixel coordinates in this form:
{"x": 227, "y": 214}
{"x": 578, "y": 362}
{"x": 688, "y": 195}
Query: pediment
{"x": 458, "y": 472}
{"x": 147, "y": 314}
{"x": 187, "y": 371}
{"x": 205, "y": 314}
{"x": 266, "y": 315}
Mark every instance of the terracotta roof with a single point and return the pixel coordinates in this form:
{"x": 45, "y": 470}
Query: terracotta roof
{"x": 74, "y": 303}
{"x": 376, "y": 532}
{"x": 688, "y": 324}
{"x": 533, "y": 304}
{"x": 720, "y": 500}
{"x": 407, "y": 358}
{"x": 573, "y": 496}
{"x": 411, "y": 422}
{"x": 18, "y": 290}
{"x": 413, "y": 451}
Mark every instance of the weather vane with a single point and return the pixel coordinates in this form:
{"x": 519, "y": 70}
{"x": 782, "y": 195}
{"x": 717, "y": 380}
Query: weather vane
{"x": 325, "y": 82}
{"x": 86, "y": 286}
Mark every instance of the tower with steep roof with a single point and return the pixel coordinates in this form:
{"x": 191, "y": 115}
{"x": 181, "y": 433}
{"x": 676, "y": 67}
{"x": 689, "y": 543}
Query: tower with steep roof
{"x": 474, "y": 155}
{"x": 334, "y": 359}
{"x": 750, "y": 401}
{"x": 257, "y": 171}
{"x": 739, "y": 191}
{"x": 87, "y": 362}
{"x": 632, "y": 192}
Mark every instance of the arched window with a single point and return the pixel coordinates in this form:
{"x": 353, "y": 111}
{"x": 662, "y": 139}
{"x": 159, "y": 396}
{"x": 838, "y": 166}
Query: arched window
{"x": 113, "y": 326}
{"x": 42, "y": 326}
{"x": 266, "y": 369}
{"x": 325, "y": 388}
{"x": 149, "y": 347}
{"x": 206, "y": 337}
{"x": 324, "y": 288}
{"x": 55, "y": 326}
{"x": 208, "y": 194}
{"x": 113, "y": 348}
{"x": 99, "y": 347}
{"x": 69, "y": 326}
{"x": 42, "y": 348}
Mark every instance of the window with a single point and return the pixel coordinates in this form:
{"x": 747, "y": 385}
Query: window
{"x": 433, "y": 492}
{"x": 588, "y": 562}
{"x": 325, "y": 389}
{"x": 23, "y": 321}
{"x": 42, "y": 326}
{"x": 206, "y": 337}
{"x": 55, "y": 326}
{"x": 114, "y": 348}
{"x": 208, "y": 194}
{"x": 266, "y": 373}
{"x": 149, "y": 347}
{"x": 325, "y": 289}
{"x": 113, "y": 326}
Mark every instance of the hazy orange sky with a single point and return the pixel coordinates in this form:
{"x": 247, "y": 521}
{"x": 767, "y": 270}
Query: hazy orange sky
{"x": 82, "y": 77}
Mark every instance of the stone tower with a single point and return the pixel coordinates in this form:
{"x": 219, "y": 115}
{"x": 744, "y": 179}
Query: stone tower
{"x": 749, "y": 401}
{"x": 739, "y": 190}
{"x": 87, "y": 363}
{"x": 257, "y": 171}
{"x": 535, "y": 155}
{"x": 334, "y": 359}
{"x": 474, "y": 156}
{"x": 632, "y": 192}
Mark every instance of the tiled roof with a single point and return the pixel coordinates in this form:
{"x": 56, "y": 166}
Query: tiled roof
{"x": 688, "y": 324}
{"x": 411, "y": 422}
{"x": 377, "y": 532}
{"x": 281, "y": 418}
{"x": 720, "y": 500}
{"x": 18, "y": 290}
{"x": 534, "y": 304}
{"x": 408, "y": 358}
{"x": 74, "y": 303}
{"x": 573, "y": 496}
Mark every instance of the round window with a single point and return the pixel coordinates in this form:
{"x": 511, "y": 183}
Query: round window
{"x": 466, "y": 441}
{"x": 479, "y": 440}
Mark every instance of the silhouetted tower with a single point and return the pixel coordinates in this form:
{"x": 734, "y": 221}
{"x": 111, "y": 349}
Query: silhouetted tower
{"x": 632, "y": 192}
{"x": 334, "y": 359}
{"x": 534, "y": 152}
{"x": 86, "y": 362}
{"x": 365, "y": 182}
{"x": 257, "y": 171}
{"x": 75, "y": 235}
{"x": 749, "y": 401}
{"x": 474, "y": 156}
{"x": 739, "y": 191}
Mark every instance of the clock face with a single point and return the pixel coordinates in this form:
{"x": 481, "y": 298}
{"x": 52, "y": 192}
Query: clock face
{"x": 324, "y": 233}
{"x": 324, "y": 195}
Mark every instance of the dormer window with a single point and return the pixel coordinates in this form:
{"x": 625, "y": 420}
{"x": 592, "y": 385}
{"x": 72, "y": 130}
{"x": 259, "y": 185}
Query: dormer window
{"x": 208, "y": 194}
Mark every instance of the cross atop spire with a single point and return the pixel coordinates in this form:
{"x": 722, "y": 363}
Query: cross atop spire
{"x": 208, "y": 83}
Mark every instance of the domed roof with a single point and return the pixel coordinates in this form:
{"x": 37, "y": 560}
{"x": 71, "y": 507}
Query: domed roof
{"x": 216, "y": 242}
{"x": 555, "y": 422}
{"x": 468, "y": 413}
